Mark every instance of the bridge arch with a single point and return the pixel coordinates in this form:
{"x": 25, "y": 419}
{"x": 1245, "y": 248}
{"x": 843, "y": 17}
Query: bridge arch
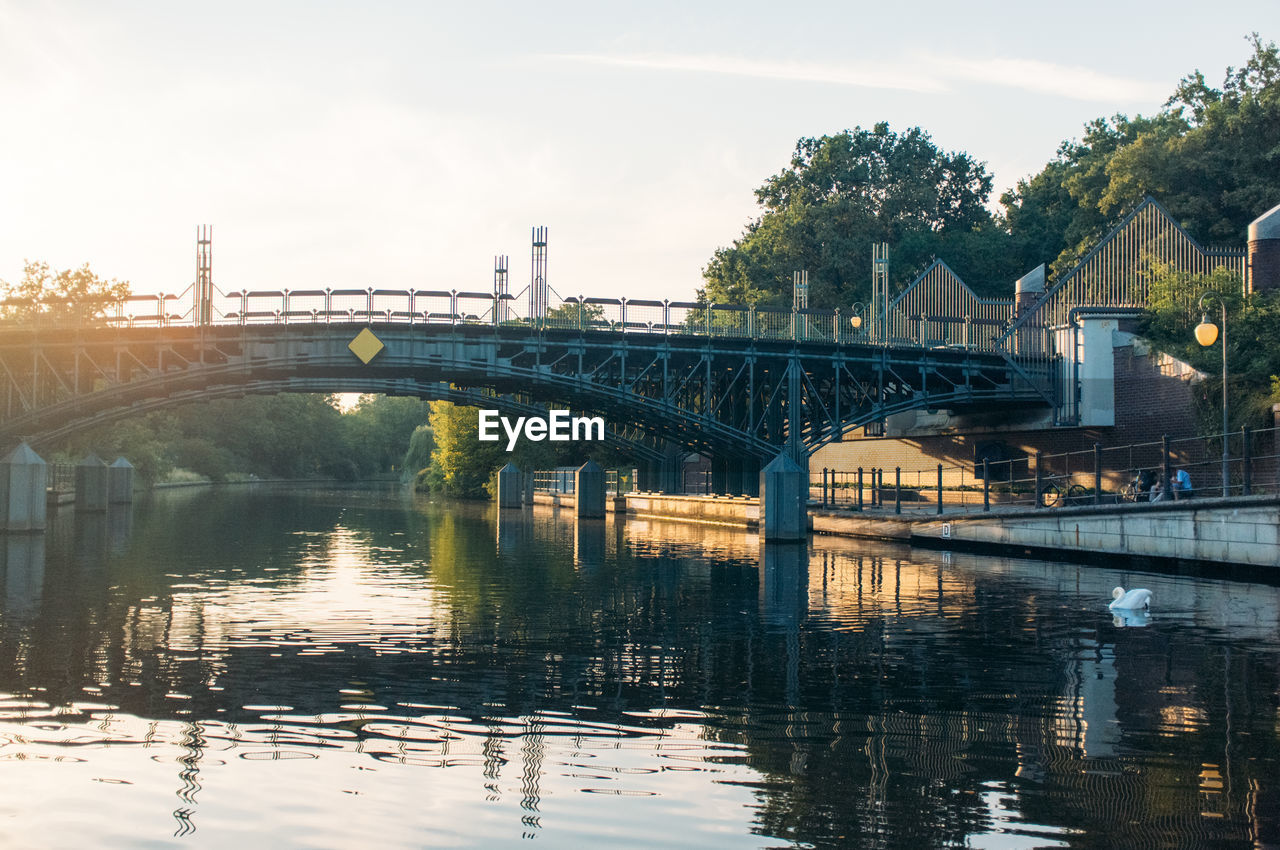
{"x": 731, "y": 396}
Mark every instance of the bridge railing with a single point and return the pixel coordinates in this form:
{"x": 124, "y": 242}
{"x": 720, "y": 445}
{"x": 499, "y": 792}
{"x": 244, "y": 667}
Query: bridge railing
{"x": 580, "y": 313}
{"x": 1134, "y": 472}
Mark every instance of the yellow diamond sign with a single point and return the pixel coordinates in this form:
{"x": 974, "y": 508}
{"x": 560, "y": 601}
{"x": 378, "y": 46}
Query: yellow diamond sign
{"x": 365, "y": 346}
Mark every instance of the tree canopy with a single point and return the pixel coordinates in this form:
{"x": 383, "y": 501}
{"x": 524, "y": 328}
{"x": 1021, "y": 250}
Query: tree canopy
{"x": 1211, "y": 156}
{"x": 843, "y": 192}
{"x": 68, "y": 295}
{"x": 289, "y": 435}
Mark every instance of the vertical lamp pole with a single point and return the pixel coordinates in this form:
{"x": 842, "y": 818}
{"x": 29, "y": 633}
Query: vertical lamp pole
{"x": 1206, "y": 334}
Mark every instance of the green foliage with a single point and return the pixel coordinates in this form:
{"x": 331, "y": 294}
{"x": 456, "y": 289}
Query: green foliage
{"x": 1173, "y": 297}
{"x": 842, "y": 193}
{"x": 1253, "y": 343}
{"x": 71, "y": 295}
{"x": 461, "y": 464}
{"x": 281, "y": 436}
{"x": 379, "y": 427}
{"x": 571, "y": 314}
{"x": 1210, "y": 157}
{"x": 422, "y": 442}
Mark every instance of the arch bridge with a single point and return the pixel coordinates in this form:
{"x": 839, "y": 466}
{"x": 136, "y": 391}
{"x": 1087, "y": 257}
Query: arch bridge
{"x": 734, "y": 382}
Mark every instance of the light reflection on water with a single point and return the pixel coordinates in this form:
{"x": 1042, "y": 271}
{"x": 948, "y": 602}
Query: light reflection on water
{"x": 321, "y": 669}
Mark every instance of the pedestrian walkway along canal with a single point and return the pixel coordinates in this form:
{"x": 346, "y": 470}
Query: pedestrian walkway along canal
{"x": 287, "y": 667}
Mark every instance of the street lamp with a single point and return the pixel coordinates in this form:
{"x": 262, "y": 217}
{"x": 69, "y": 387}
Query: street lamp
{"x": 1206, "y": 335}
{"x": 856, "y": 319}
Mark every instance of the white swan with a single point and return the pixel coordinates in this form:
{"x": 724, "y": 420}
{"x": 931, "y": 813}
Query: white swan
{"x": 1139, "y": 597}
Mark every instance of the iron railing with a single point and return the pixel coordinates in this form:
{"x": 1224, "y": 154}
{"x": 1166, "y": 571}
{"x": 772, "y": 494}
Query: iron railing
{"x": 613, "y": 315}
{"x": 560, "y": 480}
{"x": 60, "y": 477}
{"x": 1139, "y": 472}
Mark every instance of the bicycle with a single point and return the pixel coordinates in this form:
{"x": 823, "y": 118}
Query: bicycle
{"x": 1056, "y": 492}
{"x": 1139, "y": 489}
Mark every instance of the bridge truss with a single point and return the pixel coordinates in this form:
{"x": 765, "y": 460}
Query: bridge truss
{"x": 725, "y": 391}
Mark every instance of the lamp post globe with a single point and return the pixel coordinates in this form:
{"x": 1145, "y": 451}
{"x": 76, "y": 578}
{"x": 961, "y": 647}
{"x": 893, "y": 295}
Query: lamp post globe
{"x": 1206, "y": 332}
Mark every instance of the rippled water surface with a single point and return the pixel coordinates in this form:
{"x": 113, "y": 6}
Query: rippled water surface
{"x": 285, "y": 668}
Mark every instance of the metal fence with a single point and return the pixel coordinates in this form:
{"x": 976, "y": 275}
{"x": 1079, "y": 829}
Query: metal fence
{"x": 1140, "y": 472}
{"x": 560, "y": 480}
{"x": 61, "y": 477}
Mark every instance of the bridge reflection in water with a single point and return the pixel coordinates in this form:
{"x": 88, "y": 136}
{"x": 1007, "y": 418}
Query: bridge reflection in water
{"x": 853, "y": 694}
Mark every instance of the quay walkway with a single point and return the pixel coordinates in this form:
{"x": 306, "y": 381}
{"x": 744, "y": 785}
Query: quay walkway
{"x": 1237, "y": 531}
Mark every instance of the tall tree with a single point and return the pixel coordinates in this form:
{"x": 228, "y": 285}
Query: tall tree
{"x": 843, "y": 192}
{"x": 1210, "y": 156}
{"x": 69, "y": 295}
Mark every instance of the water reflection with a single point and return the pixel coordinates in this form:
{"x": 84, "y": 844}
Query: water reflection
{"x": 296, "y": 663}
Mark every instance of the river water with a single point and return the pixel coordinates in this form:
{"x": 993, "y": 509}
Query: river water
{"x": 289, "y": 668}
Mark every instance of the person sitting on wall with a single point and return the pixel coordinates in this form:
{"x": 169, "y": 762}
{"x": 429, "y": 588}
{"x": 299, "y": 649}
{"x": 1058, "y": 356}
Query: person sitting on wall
{"x": 1145, "y": 485}
{"x": 1181, "y": 484}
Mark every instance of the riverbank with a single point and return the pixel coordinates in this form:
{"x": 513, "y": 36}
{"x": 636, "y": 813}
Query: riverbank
{"x": 1241, "y": 533}
{"x": 62, "y": 498}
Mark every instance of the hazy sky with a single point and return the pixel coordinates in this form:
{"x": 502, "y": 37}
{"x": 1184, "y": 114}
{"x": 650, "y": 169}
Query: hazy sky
{"x": 405, "y": 144}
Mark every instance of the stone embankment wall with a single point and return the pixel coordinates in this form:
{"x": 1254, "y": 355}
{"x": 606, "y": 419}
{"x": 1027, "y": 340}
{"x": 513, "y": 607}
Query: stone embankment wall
{"x": 1232, "y": 531}
{"x": 1225, "y": 531}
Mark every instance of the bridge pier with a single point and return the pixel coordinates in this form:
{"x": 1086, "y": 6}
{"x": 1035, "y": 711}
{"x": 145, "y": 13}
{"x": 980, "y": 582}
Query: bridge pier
{"x": 784, "y": 501}
{"x": 510, "y": 486}
{"x": 120, "y": 482}
{"x": 588, "y": 487}
{"x": 92, "y": 485}
{"x": 23, "y": 477}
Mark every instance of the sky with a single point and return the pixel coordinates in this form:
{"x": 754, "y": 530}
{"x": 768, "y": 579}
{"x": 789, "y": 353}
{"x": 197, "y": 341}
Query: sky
{"x": 405, "y": 144}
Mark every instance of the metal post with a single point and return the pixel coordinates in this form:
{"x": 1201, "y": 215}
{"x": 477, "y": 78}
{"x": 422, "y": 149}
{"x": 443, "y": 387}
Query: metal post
{"x": 859, "y": 488}
{"x": 1247, "y": 460}
{"x": 824, "y": 486}
{"x": 1039, "y": 483}
{"x": 897, "y": 489}
{"x": 1097, "y": 473}
{"x": 986, "y": 485}
{"x": 873, "y": 486}
{"x": 1226, "y": 456}
{"x": 939, "y": 488}
{"x": 1168, "y": 477}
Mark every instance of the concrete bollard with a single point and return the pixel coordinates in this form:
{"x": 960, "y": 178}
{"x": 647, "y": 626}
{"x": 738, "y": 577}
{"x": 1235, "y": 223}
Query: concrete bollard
{"x": 23, "y": 482}
{"x": 510, "y": 486}
{"x": 120, "y": 482}
{"x": 92, "y": 488}
{"x": 588, "y": 487}
{"x": 784, "y": 501}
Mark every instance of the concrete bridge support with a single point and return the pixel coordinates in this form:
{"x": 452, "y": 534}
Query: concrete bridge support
{"x": 510, "y": 486}
{"x": 784, "y": 501}
{"x": 92, "y": 486}
{"x": 23, "y": 479}
{"x": 120, "y": 482}
{"x": 588, "y": 488}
